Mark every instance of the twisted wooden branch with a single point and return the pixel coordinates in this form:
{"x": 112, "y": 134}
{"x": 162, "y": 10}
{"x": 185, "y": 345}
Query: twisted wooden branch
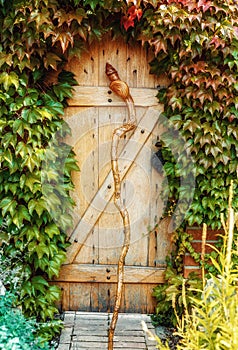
{"x": 121, "y": 89}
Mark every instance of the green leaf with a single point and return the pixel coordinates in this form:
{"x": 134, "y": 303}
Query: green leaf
{"x": 41, "y": 249}
{"x": 9, "y": 79}
{"x": 21, "y": 214}
{"x": 7, "y": 155}
{"x": 8, "y": 205}
{"x": 53, "y": 269}
{"x": 39, "y": 281}
{"x": 31, "y": 181}
{"x": 12, "y": 187}
{"x": 54, "y": 293}
{"x": 51, "y": 60}
{"x": 191, "y": 125}
{"x": 31, "y": 162}
{"x": 52, "y": 230}
{"x": 54, "y": 107}
{"x": 23, "y": 149}
{"x": 63, "y": 91}
{"x": 41, "y": 206}
{"x": 19, "y": 127}
{"x": 31, "y": 232}
{"x": 9, "y": 139}
{"x": 65, "y": 221}
{"x": 70, "y": 165}
{"x": 5, "y": 58}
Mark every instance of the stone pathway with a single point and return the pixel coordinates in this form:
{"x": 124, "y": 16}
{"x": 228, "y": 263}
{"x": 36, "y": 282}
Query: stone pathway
{"x": 85, "y": 330}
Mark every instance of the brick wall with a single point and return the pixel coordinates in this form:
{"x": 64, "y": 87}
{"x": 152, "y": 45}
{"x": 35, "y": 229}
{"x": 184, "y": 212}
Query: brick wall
{"x": 189, "y": 263}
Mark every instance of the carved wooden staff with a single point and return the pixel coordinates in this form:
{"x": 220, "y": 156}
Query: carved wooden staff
{"x": 121, "y": 89}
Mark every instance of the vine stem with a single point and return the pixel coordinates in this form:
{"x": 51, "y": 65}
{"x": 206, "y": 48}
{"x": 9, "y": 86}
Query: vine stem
{"x": 121, "y": 89}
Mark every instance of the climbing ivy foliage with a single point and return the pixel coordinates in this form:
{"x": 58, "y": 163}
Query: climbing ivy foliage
{"x": 195, "y": 43}
{"x": 34, "y": 190}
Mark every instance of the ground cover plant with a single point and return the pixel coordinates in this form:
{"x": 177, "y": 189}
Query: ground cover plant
{"x": 16, "y": 331}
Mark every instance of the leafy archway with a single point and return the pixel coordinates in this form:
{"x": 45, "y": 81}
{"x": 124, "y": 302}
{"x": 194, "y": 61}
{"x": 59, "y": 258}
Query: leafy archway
{"x": 194, "y": 43}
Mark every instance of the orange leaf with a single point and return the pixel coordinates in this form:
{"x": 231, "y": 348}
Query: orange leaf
{"x": 159, "y": 44}
{"x": 64, "y": 38}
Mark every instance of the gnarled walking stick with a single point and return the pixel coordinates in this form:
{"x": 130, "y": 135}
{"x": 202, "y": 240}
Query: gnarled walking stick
{"x": 121, "y": 89}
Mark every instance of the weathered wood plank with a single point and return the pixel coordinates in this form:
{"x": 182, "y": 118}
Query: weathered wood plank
{"x": 138, "y": 74}
{"x": 64, "y": 347}
{"x": 104, "y": 273}
{"x": 89, "y": 331}
{"x": 161, "y": 243}
{"x": 137, "y": 196}
{"x": 114, "y": 52}
{"x": 102, "y": 300}
{"x": 84, "y": 138}
{"x": 135, "y": 298}
{"x": 130, "y": 345}
{"x": 79, "y": 296}
{"x": 151, "y": 301}
{"x": 105, "y": 193}
{"x": 106, "y": 295}
{"x": 88, "y": 345}
{"x": 86, "y": 68}
{"x": 110, "y": 223}
{"x": 102, "y": 96}
{"x": 66, "y": 335}
{"x": 65, "y": 296}
{"x": 109, "y": 238}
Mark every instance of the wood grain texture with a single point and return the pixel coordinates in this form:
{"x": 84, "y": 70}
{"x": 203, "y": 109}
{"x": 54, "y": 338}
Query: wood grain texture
{"x": 105, "y": 193}
{"x": 102, "y": 96}
{"x": 106, "y": 273}
{"x": 100, "y": 296}
{"x": 94, "y": 112}
{"x": 83, "y": 330}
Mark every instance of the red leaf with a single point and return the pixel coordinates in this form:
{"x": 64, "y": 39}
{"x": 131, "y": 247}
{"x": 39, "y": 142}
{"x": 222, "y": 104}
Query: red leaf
{"x": 204, "y": 4}
{"x": 200, "y": 66}
{"x": 139, "y": 14}
{"x": 132, "y": 13}
{"x": 217, "y": 42}
{"x": 127, "y": 22}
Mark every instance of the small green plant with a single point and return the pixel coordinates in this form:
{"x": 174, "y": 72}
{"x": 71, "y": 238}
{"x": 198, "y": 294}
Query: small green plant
{"x": 169, "y": 296}
{"x": 16, "y": 331}
{"x": 212, "y": 323}
{"x": 12, "y": 273}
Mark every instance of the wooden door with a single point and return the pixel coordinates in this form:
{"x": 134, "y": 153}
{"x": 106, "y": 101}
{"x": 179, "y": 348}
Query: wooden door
{"x": 88, "y": 278}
